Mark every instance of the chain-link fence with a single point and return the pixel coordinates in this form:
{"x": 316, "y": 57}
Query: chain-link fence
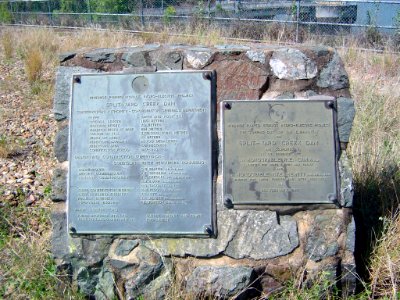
{"x": 373, "y": 22}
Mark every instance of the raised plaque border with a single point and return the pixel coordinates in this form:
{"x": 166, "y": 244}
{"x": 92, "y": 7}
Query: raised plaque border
{"x": 209, "y": 230}
{"x": 275, "y": 205}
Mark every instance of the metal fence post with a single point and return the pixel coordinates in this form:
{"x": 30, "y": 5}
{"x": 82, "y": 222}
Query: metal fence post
{"x": 297, "y": 19}
{"x": 90, "y": 12}
{"x": 141, "y": 13}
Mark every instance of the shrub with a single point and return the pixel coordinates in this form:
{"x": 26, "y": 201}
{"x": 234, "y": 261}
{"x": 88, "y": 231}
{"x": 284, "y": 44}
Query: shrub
{"x": 5, "y": 15}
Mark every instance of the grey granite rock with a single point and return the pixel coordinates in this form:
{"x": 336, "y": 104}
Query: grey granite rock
{"x": 102, "y": 56}
{"x": 346, "y": 181}
{"x": 158, "y": 288}
{"x": 124, "y": 247}
{"x": 333, "y": 76}
{"x": 237, "y": 232}
{"x": 322, "y": 237}
{"x": 63, "y": 89}
{"x": 167, "y": 60}
{"x": 148, "y": 267}
{"x": 105, "y": 286}
{"x": 134, "y": 59}
{"x": 351, "y": 236}
{"x": 232, "y": 48}
{"x": 345, "y": 117}
{"x": 66, "y": 56}
{"x": 87, "y": 279}
{"x": 59, "y": 185}
{"x": 198, "y": 59}
{"x": 256, "y": 56}
{"x": 292, "y": 64}
{"x": 220, "y": 282}
{"x": 59, "y": 235}
{"x": 89, "y": 252}
{"x": 61, "y": 144}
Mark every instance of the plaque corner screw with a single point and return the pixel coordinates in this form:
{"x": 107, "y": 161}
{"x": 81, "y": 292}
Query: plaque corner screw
{"x": 208, "y": 229}
{"x": 330, "y": 104}
{"x": 228, "y": 202}
{"x": 227, "y": 105}
{"x": 72, "y": 229}
{"x": 332, "y": 197}
{"x": 77, "y": 79}
{"x": 207, "y": 75}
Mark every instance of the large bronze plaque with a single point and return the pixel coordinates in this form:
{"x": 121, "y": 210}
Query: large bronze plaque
{"x": 279, "y": 152}
{"x": 141, "y": 153}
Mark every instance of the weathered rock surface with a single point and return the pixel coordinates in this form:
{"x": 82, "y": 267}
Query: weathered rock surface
{"x": 104, "y": 289}
{"x": 59, "y": 235}
{"x": 334, "y": 76}
{"x": 101, "y": 55}
{"x": 345, "y": 117}
{"x": 322, "y": 239}
{"x": 237, "y": 232}
{"x": 238, "y": 79}
{"x": 346, "y": 181}
{"x": 220, "y": 282}
{"x": 292, "y": 64}
{"x": 198, "y": 59}
{"x": 59, "y": 183}
{"x": 61, "y": 144}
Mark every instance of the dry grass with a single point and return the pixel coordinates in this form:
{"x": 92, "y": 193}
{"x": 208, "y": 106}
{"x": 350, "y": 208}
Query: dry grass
{"x": 7, "y": 44}
{"x": 385, "y": 263}
{"x": 34, "y": 65}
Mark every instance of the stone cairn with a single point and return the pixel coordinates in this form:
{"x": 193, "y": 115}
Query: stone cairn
{"x": 256, "y": 251}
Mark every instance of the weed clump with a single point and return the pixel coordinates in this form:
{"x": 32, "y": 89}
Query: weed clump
{"x": 33, "y": 65}
{"x": 6, "y": 42}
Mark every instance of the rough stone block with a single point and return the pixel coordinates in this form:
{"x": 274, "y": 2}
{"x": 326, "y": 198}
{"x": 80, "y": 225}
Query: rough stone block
{"x": 345, "y": 117}
{"x": 169, "y": 60}
{"x": 322, "y": 239}
{"x": 198, "y": 59}
{"x": 101, "y": 56}
{"x": 61, "y": 144}
{"x": 59, "y": 183}
{"x": 256, "y": 56}
{"x": 220, "y": 282}
{"x": 135, "y": 59}
{"x": 59, "y": 234}
{"x": 63, "y": 89}
{"x": 239, "y": 79}
{"x": 292, "y": 64}
{"x": 333, "y": 76}
{"x": 346, "y": 181}
{"x": 105, "y": 286}
{"x": 236, "y": 239}
{"x": 351, "y": 236}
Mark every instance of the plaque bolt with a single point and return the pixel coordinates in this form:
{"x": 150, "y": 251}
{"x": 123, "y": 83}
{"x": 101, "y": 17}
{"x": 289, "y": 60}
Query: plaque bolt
{"x": 228, "y": 106}
{"x": 332, "y": 197}
{"x": 228, "y": 203}
{"x": 77, "y": 79}
{"x": 208, "y": 230}
{"x": 72, "y": 229}
{"x": 330, "y": 104}
{"x": 207, "y": 75}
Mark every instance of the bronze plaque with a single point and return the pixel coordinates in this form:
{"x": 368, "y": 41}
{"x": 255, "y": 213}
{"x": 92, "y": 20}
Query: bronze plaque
{"x": 279, "y": 152}
{"x": 140, "y": 156}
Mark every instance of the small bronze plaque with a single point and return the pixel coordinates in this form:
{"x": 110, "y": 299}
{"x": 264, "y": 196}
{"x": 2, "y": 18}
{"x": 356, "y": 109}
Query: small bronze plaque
{"x": 279, "y": 152}
{"x": 141, "y": 154}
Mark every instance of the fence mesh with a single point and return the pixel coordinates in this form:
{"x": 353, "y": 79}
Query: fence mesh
{"x": 376, "y": 23}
